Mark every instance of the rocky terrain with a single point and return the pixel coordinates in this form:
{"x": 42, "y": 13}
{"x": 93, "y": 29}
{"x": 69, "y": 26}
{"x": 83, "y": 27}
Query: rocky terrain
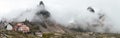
{"x": 51, "y": 30}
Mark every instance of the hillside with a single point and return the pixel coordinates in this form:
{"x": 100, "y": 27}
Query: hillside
{"x": 52, "y": 30}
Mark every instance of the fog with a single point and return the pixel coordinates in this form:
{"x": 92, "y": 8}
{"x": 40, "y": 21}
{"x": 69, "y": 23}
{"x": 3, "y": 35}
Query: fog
{"x": 66, "y": 12}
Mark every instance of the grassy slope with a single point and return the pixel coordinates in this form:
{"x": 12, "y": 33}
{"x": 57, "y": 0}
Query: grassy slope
{"x": 13, "y": 34}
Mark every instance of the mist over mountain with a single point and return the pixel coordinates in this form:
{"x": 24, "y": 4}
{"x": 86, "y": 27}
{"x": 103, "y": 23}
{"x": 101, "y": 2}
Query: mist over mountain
{"x": 68, "y": 13}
